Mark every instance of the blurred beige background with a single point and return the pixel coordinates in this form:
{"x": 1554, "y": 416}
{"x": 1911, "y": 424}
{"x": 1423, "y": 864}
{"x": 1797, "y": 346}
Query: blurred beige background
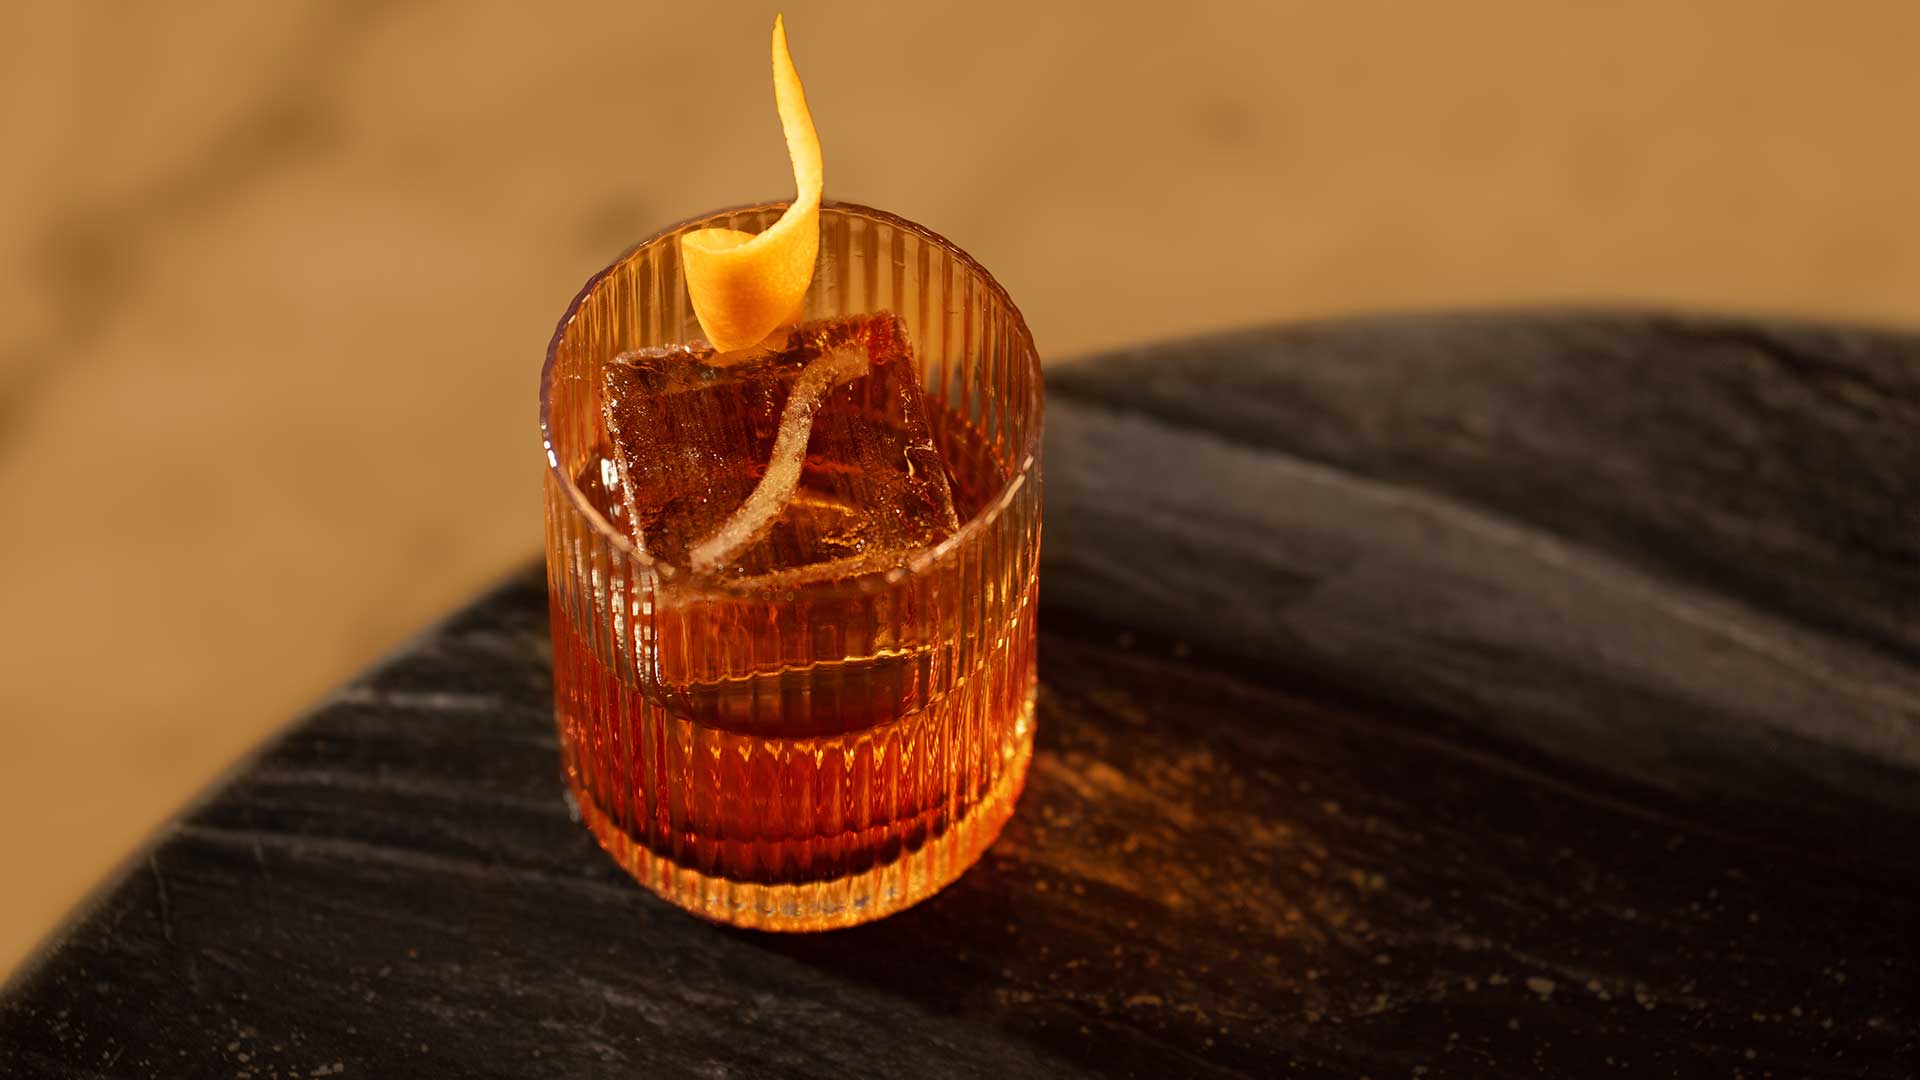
{"x": 275, "y": 279}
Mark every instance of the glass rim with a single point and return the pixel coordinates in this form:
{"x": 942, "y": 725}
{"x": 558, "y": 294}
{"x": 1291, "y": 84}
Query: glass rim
{"x": 871, "y": 581}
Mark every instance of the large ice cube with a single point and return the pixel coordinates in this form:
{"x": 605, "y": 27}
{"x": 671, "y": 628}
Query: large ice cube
{"x": 708, "y": 481}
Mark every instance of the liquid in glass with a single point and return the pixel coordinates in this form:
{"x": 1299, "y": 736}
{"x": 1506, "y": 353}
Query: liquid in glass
{"x": 797, "y": 690}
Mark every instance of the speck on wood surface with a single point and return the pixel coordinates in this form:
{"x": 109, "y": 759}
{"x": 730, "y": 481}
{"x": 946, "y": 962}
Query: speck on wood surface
{"x": 1478, "y": 695}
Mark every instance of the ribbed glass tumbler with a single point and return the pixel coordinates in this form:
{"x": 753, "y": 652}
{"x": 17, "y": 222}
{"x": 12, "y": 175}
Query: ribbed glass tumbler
{"x": 797, "y": 753}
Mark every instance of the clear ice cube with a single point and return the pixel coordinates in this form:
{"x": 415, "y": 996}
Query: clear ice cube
{"x": 695, "y": 441}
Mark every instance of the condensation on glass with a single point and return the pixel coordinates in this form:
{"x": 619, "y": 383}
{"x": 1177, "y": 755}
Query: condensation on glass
{"x": 798, "y": 755}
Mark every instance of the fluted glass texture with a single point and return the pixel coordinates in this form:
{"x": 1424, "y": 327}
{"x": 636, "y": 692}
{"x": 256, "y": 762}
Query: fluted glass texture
{"x": 819, "y": 753}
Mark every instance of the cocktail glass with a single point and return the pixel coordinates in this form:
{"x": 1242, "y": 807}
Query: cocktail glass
{"x": 783, "y": 751}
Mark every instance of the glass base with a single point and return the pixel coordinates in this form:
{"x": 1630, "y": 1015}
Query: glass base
{"x": 825, "y": 905}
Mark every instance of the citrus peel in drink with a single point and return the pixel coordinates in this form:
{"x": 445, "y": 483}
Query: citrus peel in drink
{"x": 746, "y": 285}
{"x": 777, "y": 485}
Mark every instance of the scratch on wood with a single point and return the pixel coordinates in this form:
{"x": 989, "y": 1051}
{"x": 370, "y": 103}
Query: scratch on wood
{"x": 166, "y": 906}
{"x": 428, "y": 700}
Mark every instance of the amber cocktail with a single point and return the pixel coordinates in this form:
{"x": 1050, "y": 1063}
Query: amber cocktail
{"x": 793, "y": 586}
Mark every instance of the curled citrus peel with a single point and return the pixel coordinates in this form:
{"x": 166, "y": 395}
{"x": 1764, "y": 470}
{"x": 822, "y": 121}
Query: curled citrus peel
{"x": 777, "y": 485}
{"x": 745, "y": 285}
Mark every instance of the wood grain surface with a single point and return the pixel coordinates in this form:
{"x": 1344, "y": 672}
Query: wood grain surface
{"x": 1422, "y": 697}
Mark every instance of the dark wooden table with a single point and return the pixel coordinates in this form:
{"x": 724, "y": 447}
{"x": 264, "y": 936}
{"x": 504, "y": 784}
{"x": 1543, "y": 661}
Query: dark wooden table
{"x": 1528, "y": 695}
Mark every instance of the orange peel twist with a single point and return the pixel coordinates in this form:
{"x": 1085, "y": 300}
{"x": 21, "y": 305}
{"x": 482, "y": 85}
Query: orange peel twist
{"x": 744, "y": 285}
